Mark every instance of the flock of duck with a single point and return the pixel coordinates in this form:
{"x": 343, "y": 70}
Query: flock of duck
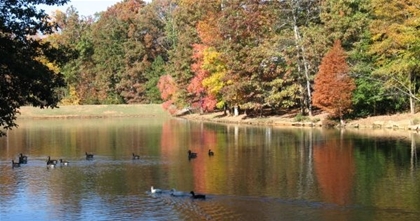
{"x": 51, "y": 163}
{"x": 192, "y": 155}
{"x": 176, "y": 193}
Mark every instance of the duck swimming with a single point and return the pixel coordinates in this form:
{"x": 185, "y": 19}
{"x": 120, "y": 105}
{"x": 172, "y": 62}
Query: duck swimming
{"x": 153, "y": 190}
{"x": 197, "y": 196}
{"x": 136, "y": 157}
{"x": 174, "y": 192}
{"x": 191, "y": 154}
{"x": 211, "y": 153}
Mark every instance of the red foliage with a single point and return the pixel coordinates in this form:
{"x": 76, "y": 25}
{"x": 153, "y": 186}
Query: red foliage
{"x": 333, "y": 87}
{"x": 202, "y": 99}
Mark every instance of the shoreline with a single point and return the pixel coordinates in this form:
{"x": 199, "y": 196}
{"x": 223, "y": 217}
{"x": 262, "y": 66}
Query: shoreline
{"x": 402, "y": 121}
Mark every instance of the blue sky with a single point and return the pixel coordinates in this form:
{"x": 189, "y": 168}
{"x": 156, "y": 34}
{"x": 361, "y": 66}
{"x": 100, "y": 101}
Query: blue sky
{"x": 85, "y": 7}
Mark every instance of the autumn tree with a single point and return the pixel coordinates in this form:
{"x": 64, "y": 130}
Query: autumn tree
{"x": 246, "y": 27}
{"x": 24, "y": 78}
{"x": 204, "y": 96}
{"x": 396, "y": 46}
{"x": 74, "y": 36}
{"x": 333, "y": 86}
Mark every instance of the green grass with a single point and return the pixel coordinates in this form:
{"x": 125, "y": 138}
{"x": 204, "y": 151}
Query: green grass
{"x": 81, "y": 111}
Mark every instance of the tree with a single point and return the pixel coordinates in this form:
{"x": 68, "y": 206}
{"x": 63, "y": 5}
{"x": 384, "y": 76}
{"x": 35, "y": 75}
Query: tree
{"x": 245, "y": 27}
{"x": 75, "y": 37}
{"x": 396, "y": 45}
{"x": 333, "y": 87}
{"x": 24, "y": 78}
{"x": 153, "y": 75}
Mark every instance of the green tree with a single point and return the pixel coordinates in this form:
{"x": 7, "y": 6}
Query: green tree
{"x": 152, "y": 75}
{"x": 24, "y": 79}
{"x": 396, "y": 46}
{"x": 79, "y": 74}
{"x": 333, "y": 87}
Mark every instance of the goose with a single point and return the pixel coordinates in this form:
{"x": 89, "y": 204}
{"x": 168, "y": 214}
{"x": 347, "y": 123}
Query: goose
{"x": 89, "y": 156}
{"x": 64, "y": 162}
{"x": 191, "y": 154}
{"x": 23, "y": 159}
{"x": 136, "y": 157}
{"x": 197, "y": 196}
{"x": 153, "y": 190}
{"x": 15, "y": 164}
{"x": 211, "y": 153}
{"x": 49, "y": 161}
{"x": 50, "y": 164}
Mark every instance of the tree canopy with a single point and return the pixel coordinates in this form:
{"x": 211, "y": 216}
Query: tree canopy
{"x": 26, "y": 73}
{"x": 256, "y": 55}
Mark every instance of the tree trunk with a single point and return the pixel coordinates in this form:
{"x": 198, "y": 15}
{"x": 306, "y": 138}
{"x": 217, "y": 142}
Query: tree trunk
{"x": 413, "y": 88}
{"x": 300, "y": 50}
{"x": 235, "y": 110}
{"x": 412, "y": 104}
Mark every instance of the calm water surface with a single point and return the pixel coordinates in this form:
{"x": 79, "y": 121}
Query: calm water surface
{"x": 257, "y": 173}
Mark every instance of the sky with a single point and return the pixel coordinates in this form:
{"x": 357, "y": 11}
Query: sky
{"x": 84, "y": 7}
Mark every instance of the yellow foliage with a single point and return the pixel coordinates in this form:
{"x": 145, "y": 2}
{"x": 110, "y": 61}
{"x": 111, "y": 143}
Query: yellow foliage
{"x": 217, "y": 69}
{"x": 72, "y": 98}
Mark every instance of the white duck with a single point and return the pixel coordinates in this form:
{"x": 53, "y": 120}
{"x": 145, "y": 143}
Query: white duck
{"x": 153, "y": 190}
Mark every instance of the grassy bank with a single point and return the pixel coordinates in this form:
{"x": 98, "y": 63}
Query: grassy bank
{"x": 393, "y": 122}
{"x": 95, "y": 111}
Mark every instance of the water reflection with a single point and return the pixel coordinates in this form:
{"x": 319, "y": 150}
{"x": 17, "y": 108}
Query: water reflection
{"x": 256, "y": 173}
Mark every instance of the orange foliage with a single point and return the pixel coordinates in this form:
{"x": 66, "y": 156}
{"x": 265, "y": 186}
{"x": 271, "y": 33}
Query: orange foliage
{"x": 333, "y": 87}
{"x": 207, "y": 30}
{"x": 167, "y": 87}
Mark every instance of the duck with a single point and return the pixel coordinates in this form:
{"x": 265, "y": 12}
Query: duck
{"x": 197, "y": 196}
{"x": 15, "y": 164}
{"x": 174, "y": 192}
{"x": 89, "y": 156}
{"x": 23, "y": 159}
{"x": 49, "y": 161}
{"x": 191, "y": 154}
{"x": 136, "y": 157}
{"x": 153, "y": 190}
{"x": 64, "y": 162}
{"x": 211, "y": 153}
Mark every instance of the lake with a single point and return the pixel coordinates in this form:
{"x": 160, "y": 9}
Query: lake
{"x": 256, "y": 173}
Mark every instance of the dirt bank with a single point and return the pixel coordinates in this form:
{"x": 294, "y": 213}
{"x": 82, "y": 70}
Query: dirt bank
{"x": 394, "y": 122}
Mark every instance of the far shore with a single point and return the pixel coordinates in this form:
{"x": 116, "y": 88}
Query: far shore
{"x": 93, "y": 111}
{"x": 403, "y": 121}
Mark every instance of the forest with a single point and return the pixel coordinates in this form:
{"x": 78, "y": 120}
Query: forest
{"x": 351, "y": 58}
